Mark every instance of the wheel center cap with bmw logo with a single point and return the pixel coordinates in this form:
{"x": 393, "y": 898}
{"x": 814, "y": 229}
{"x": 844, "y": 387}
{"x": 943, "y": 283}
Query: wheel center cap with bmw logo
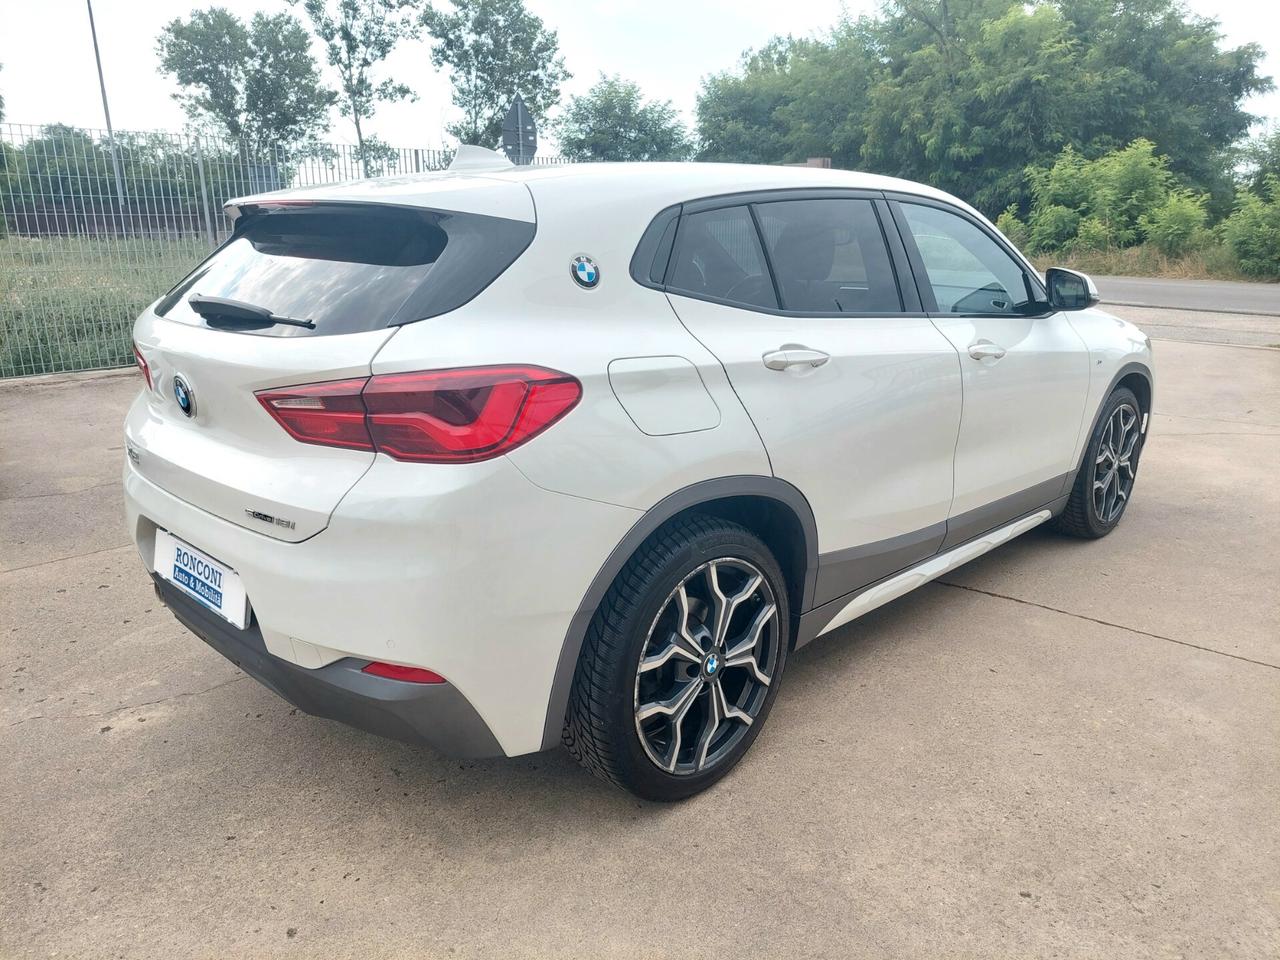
{"x": 185, "y": 398}
{"x": 584, "y": 271}
{"x": 711, "y": 666}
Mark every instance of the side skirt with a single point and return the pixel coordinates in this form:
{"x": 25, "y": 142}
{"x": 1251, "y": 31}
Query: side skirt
{"x": 837, "y": 613}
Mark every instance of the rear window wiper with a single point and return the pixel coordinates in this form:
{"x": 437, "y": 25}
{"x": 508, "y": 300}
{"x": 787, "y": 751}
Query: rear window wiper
{"x": 240, "y": 312}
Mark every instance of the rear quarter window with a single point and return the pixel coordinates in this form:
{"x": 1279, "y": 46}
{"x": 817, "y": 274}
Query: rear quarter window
{"x": 350, "y": 268}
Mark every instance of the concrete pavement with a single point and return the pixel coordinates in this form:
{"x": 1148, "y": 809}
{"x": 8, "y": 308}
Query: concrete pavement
{"x": 1068, "y": 749}
{"x": 1193, "y": 326}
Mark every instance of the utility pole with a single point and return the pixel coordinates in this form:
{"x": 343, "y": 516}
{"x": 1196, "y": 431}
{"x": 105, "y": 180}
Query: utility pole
{"x": 106, "y": 112}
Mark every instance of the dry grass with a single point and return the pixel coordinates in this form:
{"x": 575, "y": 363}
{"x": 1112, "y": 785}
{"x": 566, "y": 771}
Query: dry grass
{"x": 1207, "y": 263}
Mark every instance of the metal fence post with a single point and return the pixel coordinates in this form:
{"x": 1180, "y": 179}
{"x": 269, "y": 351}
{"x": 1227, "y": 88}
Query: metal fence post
{"x": 204, "y": 196}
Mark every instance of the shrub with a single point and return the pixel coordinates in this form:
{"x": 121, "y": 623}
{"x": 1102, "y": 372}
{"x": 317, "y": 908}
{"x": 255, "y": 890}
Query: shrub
{"x": 1126, "y": 184}
{"x": 1092, "y": 234}
{"x": 1176, "y": 225}
{"x": 1052, "y": 227}
{"x": 1110, "y": 194}
{"x": 1014, "y": 229}
{"x": 1253, "y": 230}
{"x": 1065, "y": 184}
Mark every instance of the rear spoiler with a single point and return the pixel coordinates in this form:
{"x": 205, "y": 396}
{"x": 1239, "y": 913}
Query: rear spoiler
{"x": 405, "y": 189}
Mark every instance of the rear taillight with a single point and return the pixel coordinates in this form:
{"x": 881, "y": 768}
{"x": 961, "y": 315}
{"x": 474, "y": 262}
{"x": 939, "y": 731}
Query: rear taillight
{"x": 142, "y": 365}
{"x": 438, "y": 416}
{"x": 330, "y": 414}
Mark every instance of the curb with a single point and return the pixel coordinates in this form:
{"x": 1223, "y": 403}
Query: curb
{"x": 1165, "y": 306}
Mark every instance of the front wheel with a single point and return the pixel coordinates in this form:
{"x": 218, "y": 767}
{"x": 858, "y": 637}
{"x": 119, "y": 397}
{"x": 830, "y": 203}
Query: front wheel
{"x": 1104, "y": 483}
{"x": 682, "y": 660}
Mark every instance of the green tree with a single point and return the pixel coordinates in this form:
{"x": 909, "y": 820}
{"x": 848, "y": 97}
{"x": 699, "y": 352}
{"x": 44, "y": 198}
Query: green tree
{"x": 376, "y": 157}
{"x": 358, "y": 35}
{"x": 255, "y": 82}
{"x": 612, "y": 121}
{"x": 973, "y": 91}
{"x": 1261, "y": 158}
{"x": 966, "y": 94}
{"x": 494, "y": 50}
{"x": 1, "y": 98}
{"x": 741, "y": 114}
{"x": 1160, "y": 73}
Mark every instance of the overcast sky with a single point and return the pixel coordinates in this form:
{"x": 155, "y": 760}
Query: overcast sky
{"x": 667, "y": 46}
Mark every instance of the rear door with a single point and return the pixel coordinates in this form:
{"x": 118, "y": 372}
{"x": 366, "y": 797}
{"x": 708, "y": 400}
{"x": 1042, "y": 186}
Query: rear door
{"x": 856, "y": 395}
{"x": 1026, "y": 370}
{"x": 347, "y": 275}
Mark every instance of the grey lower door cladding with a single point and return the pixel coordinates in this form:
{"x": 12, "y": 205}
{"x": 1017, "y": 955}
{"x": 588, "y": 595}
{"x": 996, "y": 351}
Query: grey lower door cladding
{"x": 841, "y": 572}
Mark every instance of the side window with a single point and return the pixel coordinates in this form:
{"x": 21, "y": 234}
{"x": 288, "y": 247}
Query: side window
{"x": 829, "y": 256}
{"x": 968, "y": 271}
{"x": 718, "y": 256}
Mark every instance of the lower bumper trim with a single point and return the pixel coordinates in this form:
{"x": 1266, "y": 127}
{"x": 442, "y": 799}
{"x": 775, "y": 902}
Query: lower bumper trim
{"x": 437, "y": 715}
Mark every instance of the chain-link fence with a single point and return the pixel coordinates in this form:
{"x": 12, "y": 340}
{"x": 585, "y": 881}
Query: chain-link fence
{"x": 93, "y": 228}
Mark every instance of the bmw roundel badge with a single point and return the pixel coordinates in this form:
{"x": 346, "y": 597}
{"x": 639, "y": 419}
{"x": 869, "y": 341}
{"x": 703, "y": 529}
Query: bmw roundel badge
{"x": 186, "y": 399}
{"x": 585, "y": 272}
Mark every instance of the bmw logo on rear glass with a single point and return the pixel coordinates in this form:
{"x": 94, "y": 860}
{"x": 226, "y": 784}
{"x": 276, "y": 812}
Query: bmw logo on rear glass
{"x": 585, "y": 272}
{"x": 186, "y": 399}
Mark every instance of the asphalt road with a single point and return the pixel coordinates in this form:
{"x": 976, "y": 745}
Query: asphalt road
{"x": 1068, "y": 749}
{"x": 1219, "y": 296}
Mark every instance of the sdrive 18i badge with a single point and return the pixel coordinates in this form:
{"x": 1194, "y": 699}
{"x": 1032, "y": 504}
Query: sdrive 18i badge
{"x": 585, "y": 272}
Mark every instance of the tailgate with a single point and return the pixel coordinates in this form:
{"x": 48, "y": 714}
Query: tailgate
{"x": 230, "y": 457}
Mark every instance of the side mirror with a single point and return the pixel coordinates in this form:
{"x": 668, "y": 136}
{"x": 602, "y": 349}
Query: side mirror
{"x": 1069, "y": 290}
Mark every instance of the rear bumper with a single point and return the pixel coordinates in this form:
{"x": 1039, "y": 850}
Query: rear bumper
{"x": 467, "y": 570}
{"x": 436, "y": 714}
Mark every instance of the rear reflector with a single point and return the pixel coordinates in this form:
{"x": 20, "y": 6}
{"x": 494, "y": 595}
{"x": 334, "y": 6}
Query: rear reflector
{"x": 393, "y": 671}
{"x": 142, "y": 365}
{"x": 437, "y": 416}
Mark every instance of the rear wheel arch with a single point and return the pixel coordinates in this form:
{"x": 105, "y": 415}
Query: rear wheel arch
{"x": 772, "y": 509}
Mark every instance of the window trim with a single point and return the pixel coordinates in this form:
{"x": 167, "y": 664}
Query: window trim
{"x": 655, "y": 245}
{"x": 908, "y": 293}
{"x": 924, "y": 286}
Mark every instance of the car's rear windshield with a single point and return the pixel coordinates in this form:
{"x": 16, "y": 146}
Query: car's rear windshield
{"x": 349, "y": 268}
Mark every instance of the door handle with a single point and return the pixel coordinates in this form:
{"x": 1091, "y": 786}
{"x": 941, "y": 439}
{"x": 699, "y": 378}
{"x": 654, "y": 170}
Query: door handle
{"x": 986, "y": 350}
{"x": 794, "y": 355}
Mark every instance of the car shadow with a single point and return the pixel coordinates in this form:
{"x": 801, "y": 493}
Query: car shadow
{"x": 425, "y": 789}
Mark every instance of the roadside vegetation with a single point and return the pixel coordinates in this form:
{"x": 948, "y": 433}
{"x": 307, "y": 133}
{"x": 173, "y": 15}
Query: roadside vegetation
{"x": 1125, "y": 213}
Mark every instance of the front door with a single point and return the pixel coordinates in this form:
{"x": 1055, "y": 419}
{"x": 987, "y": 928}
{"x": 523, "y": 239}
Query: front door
{"x": 1026, "y": 370}
{"x": 856, "y": 395}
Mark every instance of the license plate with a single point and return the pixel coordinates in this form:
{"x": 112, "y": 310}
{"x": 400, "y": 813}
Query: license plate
{"x": 202, "y": 578}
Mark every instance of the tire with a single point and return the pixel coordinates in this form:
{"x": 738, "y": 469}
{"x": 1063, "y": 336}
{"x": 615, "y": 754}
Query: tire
{"x": 675, "y": 727}
{"x": 1111, "y": 460}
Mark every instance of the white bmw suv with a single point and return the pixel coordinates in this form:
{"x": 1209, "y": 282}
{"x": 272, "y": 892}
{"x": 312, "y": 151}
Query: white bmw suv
{"x": 500, "y": 458}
